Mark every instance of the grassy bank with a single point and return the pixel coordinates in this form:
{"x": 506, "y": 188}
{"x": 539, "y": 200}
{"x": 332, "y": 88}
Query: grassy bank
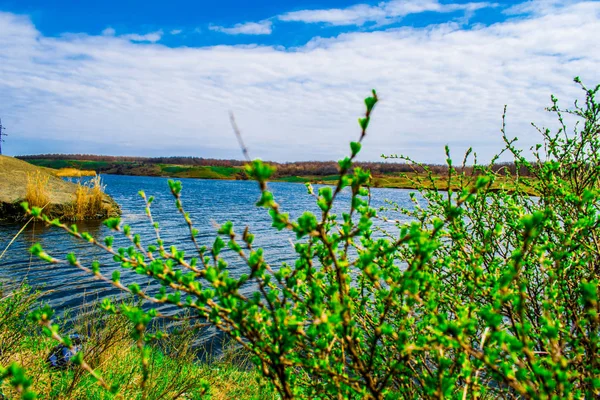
{"x": 174, "y": 369}
{"x": 67, "y": 167}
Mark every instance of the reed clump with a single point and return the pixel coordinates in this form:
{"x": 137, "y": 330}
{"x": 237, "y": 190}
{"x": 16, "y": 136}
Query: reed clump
{"x": 36, "y": 192}
{"x": 73, "y": 172}
{"x": 88, "y": 201}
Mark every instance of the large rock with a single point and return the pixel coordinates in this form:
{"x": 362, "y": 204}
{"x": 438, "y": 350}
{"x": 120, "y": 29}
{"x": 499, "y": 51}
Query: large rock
{"x": 13, "y": 183}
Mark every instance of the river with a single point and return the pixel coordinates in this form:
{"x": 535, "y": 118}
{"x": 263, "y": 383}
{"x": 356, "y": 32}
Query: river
{"x": 207, "y": 201}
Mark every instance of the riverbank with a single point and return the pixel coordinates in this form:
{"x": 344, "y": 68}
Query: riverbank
{"x": 406, "y": 179}
{"x": 174, "y": 369}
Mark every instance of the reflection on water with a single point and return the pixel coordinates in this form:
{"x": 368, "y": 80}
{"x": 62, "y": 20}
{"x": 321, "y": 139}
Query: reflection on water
{"x": 208, "y": 202}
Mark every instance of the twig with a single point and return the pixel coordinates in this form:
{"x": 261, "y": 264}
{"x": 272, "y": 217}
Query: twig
{"x": 238, "y": 134}
{"x": 19, "y": 233}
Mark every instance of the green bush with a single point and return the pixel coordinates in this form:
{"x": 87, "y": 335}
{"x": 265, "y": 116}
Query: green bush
{"x": 484, "y": 294}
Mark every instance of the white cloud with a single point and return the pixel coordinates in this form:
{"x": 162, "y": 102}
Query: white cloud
{"x": 355, "y": 15}
{"x": 151, "y": 37}
{"x": 383, "y": 12}
{"x": 441, "y": 84}
{"x": 109, "y": 32}
{"x": 248, "y": 28}
{"x": 176, "y": 31}
{"x": 538, "y": 7}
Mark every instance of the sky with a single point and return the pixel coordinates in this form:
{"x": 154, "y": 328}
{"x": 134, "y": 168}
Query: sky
{"x": 158, "y": 78}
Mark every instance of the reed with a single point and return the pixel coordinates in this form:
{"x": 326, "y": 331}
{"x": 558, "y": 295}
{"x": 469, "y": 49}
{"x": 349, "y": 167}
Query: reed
{"x": 88, "y": 201}
{"x": 36, "y": 193}
{"x": 73, "y": 172}
{"x": 96, "y": 194}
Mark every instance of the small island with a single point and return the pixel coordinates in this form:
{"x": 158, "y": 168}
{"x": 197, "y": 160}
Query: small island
{"x": 21, "y": 181}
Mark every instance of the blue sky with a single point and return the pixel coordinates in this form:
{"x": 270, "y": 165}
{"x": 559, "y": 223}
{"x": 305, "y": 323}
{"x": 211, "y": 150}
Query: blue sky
{"x": 192, "y": 20}
{"x": 159, "y": 78}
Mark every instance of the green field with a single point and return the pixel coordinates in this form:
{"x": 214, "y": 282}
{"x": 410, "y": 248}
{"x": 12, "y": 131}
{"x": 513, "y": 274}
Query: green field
{"x": 79, "y": 164}
{"x": 201, "y": 172}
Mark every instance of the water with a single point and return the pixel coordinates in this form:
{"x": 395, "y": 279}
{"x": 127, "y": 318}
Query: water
{"x": 209, "y": 202}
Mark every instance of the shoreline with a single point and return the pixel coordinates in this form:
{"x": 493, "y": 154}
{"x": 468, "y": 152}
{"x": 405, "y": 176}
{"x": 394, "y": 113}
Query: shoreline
{"x": 379, "y": 182}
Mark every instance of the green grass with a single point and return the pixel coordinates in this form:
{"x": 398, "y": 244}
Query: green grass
{"x": 173, "y": 169}
{"x": 78, "y": 164}
{"x": 294, "y": 179}
{"x": 92, "y": 164}
{"x": 175, "y": 372}
{"x": 308, "y": 178}
{"x": 200, "y": 172}
{"x": 226, "y": 171}
{"x": 56, "y": 164}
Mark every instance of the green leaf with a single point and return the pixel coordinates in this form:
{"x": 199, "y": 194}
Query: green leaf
{"x": 364, "y": 123}
{"x": 218, "y": 245}
{"x": 113, "y": 223}
{"x": 175, "y": 187}
{"x": 355, "y": 147}
{"x": 370, "y": 102}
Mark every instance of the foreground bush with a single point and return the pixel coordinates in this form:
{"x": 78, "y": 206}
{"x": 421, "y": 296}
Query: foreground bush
{"x": 484, "y": 294}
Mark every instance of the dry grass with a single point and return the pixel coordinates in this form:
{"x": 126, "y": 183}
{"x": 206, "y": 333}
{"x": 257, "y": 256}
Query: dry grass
{"x": 88, "y": 201}
{"x": 73, "y": 173}
{"x": 36, "y": 193}
{"x": 174, "y": 369}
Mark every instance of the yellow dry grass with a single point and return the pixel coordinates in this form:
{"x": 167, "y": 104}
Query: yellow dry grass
{"x": 36, "y": 192}
{"x": 88, "y": 201}
{"x": 73, "y": 173}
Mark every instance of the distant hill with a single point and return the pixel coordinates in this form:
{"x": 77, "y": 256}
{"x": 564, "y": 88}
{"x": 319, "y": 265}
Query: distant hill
{"x": 189, "y": 167}
{"x": 385, "y": 174}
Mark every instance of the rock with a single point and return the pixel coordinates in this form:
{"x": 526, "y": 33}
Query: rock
{"x": 13, "y": 184}
{"x": 60, "y": 356}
